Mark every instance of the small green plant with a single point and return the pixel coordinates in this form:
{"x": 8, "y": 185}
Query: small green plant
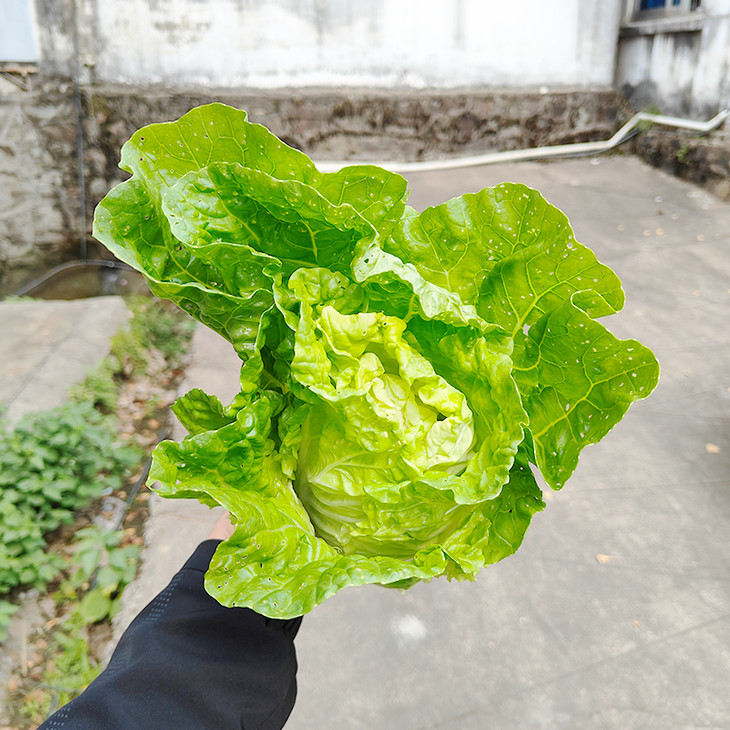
{"x": 73, "y": 669}
{"x": 23, "y": 556}
{"x": 682, "y": 153}
{"x": 55, "y": 462}
{"x": 70, "y": 670}
{"x": 51, "y": 465}
{"x": 163, "y": 326}
{"x": 7, "y": 610}
{"x": 155, "y": 325}
{"x": 645, "y": 124}
{"x": 98, "y": 387}
{"x": 104, "y": 568}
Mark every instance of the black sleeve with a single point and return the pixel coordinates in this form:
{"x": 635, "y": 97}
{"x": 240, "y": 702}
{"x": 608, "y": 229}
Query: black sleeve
{"x": 188, "y": 663}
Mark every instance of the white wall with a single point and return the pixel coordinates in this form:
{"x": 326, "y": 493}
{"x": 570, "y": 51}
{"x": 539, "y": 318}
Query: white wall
{"x": 681, "y": 72}
{"x": 381, "y": 43}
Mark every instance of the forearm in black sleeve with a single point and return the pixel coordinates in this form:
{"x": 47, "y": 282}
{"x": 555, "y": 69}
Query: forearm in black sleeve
{"x": 188, "y": 663}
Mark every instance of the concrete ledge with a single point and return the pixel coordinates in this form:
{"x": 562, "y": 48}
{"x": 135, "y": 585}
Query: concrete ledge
{"x": 374, "y": 124}
{"x": 48, "y": 346}
{"x": 656, "y": 26}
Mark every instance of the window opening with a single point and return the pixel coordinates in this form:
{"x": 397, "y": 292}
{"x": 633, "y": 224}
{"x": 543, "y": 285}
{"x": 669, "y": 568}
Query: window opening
{"x": 18, "y": 43}
{"x": 657, "y": 8}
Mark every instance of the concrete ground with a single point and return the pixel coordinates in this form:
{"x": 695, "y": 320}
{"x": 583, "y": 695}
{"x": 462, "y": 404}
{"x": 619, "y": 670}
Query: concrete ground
{"x": 615, "y": 613}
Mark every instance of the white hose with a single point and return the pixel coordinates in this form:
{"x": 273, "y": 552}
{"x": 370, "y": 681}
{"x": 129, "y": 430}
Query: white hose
{"x": 541, "y": 153}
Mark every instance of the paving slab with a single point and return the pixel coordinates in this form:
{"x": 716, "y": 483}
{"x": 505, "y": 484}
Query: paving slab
{"x": 615, "y": 613}
{"x": 48, "y": 346}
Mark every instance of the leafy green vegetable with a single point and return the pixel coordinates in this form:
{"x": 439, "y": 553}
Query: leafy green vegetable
{"x": 402, "y": 373}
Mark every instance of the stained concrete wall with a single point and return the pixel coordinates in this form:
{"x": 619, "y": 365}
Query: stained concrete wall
{"x": 39, "y": 193}
{"x": 681, "y": 65}
{"x": 434, "y": 71}
{"x": 40, "y": 220}
{"x": 40, "y": 217}
{"x": 378, "y": 43}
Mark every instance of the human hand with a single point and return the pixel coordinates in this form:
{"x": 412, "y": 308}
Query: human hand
{"x": 222, "y": 529}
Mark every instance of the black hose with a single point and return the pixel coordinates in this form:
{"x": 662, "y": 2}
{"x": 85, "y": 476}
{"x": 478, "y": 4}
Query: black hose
{"x": 161, "y": 436}
{"x": 80, "y": 144}
{"x": 99, "y": 263}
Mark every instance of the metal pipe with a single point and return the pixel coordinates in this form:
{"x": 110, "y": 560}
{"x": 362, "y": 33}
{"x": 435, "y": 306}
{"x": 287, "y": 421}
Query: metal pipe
{"x": 80, "y": 142}
{"x": 627, "y": 131}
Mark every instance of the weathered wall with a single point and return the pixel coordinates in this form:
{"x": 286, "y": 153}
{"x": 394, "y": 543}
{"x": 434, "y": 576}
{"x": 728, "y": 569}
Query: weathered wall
{"x": 681, "y": 67}
{"x": 358, "y": 124}
{"x": 367, "y": 124}
{"x": 378, "y": 43}
{"x": 57, "y": 22}
{"x": 436, "y": 75}
{"x": 40, "y": 220}
{"x": 39, "y": 200}
{"x": 39, "y": 185}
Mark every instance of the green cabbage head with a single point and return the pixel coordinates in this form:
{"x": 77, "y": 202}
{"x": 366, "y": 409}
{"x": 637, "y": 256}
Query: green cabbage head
{"x": 403, "y": 374}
